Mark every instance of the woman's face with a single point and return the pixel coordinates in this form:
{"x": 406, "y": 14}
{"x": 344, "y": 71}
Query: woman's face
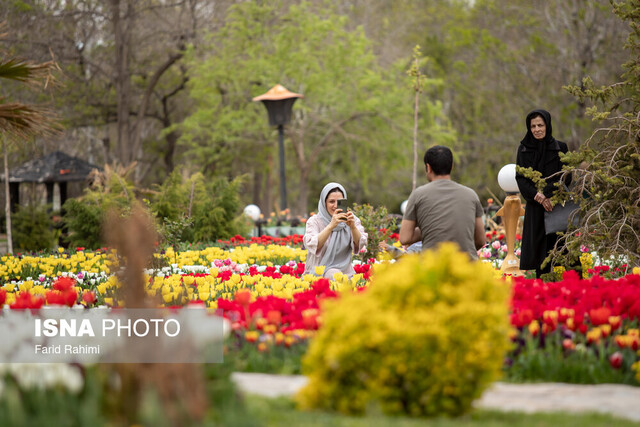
{"x": 332, "y": 201}
{"x": 538, "y": 128}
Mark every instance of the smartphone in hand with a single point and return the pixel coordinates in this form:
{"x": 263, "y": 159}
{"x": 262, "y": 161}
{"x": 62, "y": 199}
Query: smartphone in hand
{"x": 342, "y": 204}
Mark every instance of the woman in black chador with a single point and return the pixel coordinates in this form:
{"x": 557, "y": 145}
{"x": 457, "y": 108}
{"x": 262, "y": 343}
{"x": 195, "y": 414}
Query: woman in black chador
{"x": 540, "y": 151}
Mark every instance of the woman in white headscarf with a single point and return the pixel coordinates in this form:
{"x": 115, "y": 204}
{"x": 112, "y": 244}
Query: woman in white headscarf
{"x": 333, "y": 236}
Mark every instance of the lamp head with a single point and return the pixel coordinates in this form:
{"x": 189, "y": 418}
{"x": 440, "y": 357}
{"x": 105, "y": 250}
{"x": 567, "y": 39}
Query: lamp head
{"x": 279, "y": 101}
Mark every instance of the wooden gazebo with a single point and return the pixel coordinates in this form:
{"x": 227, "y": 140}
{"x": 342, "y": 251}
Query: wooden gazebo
{"x": 56, "y": 167}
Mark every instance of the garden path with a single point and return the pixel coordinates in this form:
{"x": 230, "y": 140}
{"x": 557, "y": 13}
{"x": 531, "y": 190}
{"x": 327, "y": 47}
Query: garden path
{"x": 619, "y": 400}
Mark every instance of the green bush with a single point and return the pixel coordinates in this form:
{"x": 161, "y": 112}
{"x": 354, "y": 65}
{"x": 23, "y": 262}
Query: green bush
{"x": 32, "y": 228}
{"x": 211, "y": 208}
{"x": 378, "y": 224}
{"x": 193, "y": 209}
{"x": 426, "y": 338}
{"x": 83, "y": 219}
{"x": 85, "y": 215}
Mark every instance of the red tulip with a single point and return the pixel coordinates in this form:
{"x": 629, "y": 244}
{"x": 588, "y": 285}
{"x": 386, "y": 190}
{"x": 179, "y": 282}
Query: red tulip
{"x": 261, "y": 322}
{"x": 251, "y": 336}
{"x": 63, "y": 284}
{"x": 243, "y": 297}
{"x": 70, "y": 297}
{"x": 616, "y": 360}
{"x": 522, "y": 318}
{"x": 274, "y": 317}
{"x": 534, "y": 328}
{"x": 26, "y": 300}
{"x": 600, "y": 316}
{"x": 615, "y": 322}
{"x": 89, "y": 297}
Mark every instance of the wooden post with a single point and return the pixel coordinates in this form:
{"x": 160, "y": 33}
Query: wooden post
{"x": 511, "y": 212}
{"x": 7, "y": 204}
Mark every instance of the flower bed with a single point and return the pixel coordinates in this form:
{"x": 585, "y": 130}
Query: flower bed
{"x": 575, "y": 329}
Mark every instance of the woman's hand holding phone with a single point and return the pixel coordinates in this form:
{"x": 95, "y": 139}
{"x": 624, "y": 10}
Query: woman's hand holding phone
{"x": 351, "y": 222}
{"x": 340, "y": 216}
{"x": 337, "y": 218}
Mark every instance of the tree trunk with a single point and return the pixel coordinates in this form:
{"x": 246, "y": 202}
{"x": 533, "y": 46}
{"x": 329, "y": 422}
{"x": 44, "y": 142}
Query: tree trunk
{"x": 257, "y": 192}
{"x": 301, "y": 205}
{"x": 135, "y": 140}
{"x": 7, "y": 204}
{"x": 297, "y": 139}
{"x": 172, "y": 142}
{"x": 415, "y": 138}
{"x": 171, "y": 138}
{"x": 122, "y": 80}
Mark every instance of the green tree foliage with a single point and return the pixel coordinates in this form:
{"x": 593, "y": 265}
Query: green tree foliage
{"x": 498, "y": 60}
{"x": 378, "y": 224}
{"x": 84, "y": 217}
{"x": 515, "y": 56}
{"x": 606, "y": 170}
{"x": 33, "y": 228}
{"x": 121, "y": 67}
{"x": 197, "y": 209}
{"x": 353, "y": 125}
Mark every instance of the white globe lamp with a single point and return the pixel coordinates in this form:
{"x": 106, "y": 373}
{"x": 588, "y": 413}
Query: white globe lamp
{"x": 253, "y": 212}
{"x": 507, "y": 178}
{"x": 403, "y": 206}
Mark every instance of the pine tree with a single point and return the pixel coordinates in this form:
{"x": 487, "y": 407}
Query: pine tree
{"x": 606, "y": 168}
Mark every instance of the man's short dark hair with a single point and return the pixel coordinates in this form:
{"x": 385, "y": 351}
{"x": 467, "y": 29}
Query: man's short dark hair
{"x": 440, "y": 158}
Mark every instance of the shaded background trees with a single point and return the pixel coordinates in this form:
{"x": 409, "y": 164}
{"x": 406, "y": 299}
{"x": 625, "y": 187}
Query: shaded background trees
{"x": 120, "y": 62}
{"x": 169, "y": 83}
{"x": 353, "y": 110}
{"x": 607, "y": 165}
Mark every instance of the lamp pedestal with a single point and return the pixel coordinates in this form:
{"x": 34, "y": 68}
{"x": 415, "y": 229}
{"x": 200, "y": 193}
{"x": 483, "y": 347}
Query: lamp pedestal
{"x": 510, "y": 212}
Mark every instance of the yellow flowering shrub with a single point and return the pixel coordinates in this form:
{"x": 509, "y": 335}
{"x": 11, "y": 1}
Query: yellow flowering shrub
{"x": 426, "y": 338}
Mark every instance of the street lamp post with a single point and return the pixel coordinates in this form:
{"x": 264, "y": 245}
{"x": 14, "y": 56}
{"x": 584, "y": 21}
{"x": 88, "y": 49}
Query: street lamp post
{"x": 279, "y": 102}
{"x": 511, "y": 211}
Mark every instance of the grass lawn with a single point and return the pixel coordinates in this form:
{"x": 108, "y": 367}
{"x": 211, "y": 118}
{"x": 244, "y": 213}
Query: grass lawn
{"x": 282, "y": 412}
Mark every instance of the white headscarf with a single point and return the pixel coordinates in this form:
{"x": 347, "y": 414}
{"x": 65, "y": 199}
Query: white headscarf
{"x": 338, "y": 245}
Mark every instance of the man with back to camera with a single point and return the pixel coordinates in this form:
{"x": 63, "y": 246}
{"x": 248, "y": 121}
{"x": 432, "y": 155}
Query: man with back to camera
{"x": 443, "y": 210}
